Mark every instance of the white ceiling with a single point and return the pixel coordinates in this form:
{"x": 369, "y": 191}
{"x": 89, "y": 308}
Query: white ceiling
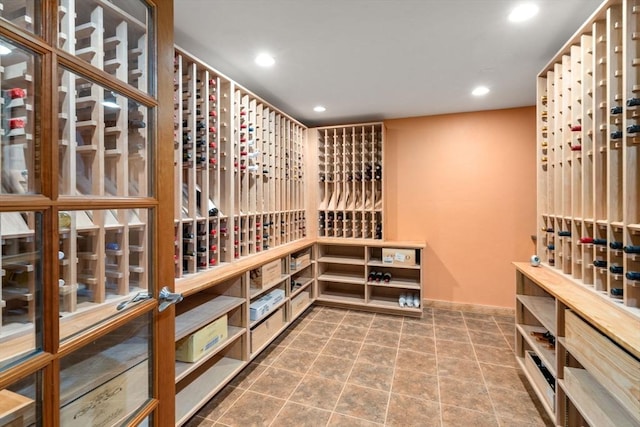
{"x": 378, "y": 59}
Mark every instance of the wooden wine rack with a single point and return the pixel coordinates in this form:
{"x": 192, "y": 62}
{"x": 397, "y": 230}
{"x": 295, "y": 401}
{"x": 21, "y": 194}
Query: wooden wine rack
{"x": 350, "y": 172}
{"x": 240, "y": 183}
{"x": 588, "y": 151}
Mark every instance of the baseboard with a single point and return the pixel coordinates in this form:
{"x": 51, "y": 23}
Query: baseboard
{"x": 473, "y": 308}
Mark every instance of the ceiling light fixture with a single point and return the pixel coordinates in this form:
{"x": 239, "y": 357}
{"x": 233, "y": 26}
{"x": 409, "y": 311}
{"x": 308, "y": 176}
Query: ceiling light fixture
{"x": 265, "y": 60}
{"x": 480, "y": 91}
{"x": 319, "y": 109}
{"x": 523, "y": 12}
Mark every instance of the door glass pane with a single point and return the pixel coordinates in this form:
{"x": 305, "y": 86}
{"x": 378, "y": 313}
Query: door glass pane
{"x": 21, "y": 270}
{"x": 103, "y": 141}
{"x": 104, "y": 261}
{"x": 22, "y": 13}
{"x": 105, "y": 382}
{"x": 111, "y": 35}
{"x": 20, "y": 403}
{"x": 19, "y": 70}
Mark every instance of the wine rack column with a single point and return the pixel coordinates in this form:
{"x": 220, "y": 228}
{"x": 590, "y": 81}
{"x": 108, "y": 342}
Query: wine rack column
{"x": 543, "y": 170}
{"x": 226, "y": 171}
{"x": 574, "y": 226}
{"x": 563, "y": 230}
{"x": 601, "y": 157}
{"x": 631, "y": 128}
{"x": 350, "y": 196}
{"x": 615, "y": 138}
{"x": 586, "y": 155}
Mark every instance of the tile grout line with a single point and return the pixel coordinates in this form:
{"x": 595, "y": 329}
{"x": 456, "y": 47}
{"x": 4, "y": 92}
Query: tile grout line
{"x": 393, "y": 373}
{"x": 484, "y": 381}
{"x": 344, "y": 386}
{"x": 435, "y": 345}
{"x": 309, "y": 367}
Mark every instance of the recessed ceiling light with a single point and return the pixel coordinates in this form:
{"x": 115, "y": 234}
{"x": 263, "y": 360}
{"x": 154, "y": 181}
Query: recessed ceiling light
{"x": 319, "y": 109}
{"x": 523, "y": 12}
{"x": 480, "y": 91}
{"x": 265, "y": 60}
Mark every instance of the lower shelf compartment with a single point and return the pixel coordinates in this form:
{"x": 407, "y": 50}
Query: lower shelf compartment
{"x": 197, "y": 393}
{"x": 540, "y": 385}
{"x": 593, "y": 401}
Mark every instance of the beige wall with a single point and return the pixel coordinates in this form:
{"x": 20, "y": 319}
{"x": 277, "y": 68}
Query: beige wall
{"x": 465, "y": 184}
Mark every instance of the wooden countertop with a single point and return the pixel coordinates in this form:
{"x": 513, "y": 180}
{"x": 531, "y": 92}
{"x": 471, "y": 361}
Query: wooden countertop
{"x": 371, "y": 242}
{"x": 618, "y": 323}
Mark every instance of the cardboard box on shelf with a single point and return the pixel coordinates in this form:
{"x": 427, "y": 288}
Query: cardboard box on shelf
{"x": 267, "y": 329}
{"x": 265, "y": 303}
{"x": 267, "y": 274}
{"x": 199, "y": 343}
{"x": 393, "y": 256}
{"x": 301, "y": 261}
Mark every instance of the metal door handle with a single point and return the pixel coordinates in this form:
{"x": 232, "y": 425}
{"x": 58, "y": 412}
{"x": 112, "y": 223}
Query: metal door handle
{"x": 167, "y": 298}
{"x": 140, "y": 296}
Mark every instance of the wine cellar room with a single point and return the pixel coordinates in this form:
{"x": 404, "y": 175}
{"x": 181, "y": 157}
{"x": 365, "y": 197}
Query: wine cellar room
{"x": 337, "y": 213}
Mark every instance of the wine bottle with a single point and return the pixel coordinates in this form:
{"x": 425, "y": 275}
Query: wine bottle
{"x": 615, "y": 245}
{"x": 379, "y": 276}
{"x": 616, "y": 135}
{"x": 601, "y": 242}
{"x": 633, "y": 129}
{"x": 564, "y": 233}
{"x": 372, "y": 276}
{"x": 551, "y": 247}
{"x": 616, "y": 110}
{"x": 386, "y": 277}
{"x": 586, "y": 240}
{"x": 600, "y": 263}
{"x": 617, "y": 292}
{"x": 633, "y": 275}
{"x": 616, "y": 269}
{"x": 632, "y": 102}
{"x": 576, "y": 128}
{"x": 631, "y": 249}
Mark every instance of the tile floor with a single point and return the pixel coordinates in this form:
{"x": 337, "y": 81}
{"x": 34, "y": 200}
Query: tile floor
{"x": 338, "y": 367}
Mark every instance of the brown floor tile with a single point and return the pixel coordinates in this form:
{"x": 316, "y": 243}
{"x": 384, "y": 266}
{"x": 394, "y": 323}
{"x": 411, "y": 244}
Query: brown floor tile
{"x": 419, "y": 329}
{"x": 450, "y": 322}
{"x": 487, "y": 338}
{"x": 321, "y": 329}
{"x": 467, "y": 370}
{"x": 308, "y": 342}
{"x": 276, "y": 382}
{"x": 372, "y": 376}
{"x": 415, "y": 384}
{"x": 508, "y": 330}
{"x": 318, "y": 392}
{"x": 515, "y": 406}
{"x": 384, "y": 322}
{"x": 377, "y": 355}
{"x": 339, "y": 420}
{"x": 248, "y": 375}
{"x": 331, "y": 315}
{"x": 198, "y": 421}
{"x": 351, "y": 333}
{"x": 285, "y": 339}
{"x": 220, "y": 403}
{"x": 295, "y": 360}
{"x": 252, "y": 409}
{"x": 451, "y": 334}
{"x": 342, "y": 348}
{"x": 330, "y": 367}
{"x": 295, "y": 415}
{"x": 406, "y": 411}
{"x": 479, "y": 316}
{"x": 427, "y": 317}
{"x": 357, "y": 320}
{"x": 482, "y": 325}
{"x": 455, "y": 349}
{"x": 312, "y": 312}
{"x": 465, "y": 394}
{"x": 537, "y": 422}
{"x": 439, "y": 312}
{"x": 361, "y": 402}
{"x": 269, "y": 355}
{"x": 495, "y": 356}
{"x": 505, "y": 319}
{"x": 503, "y": 376}
{"x": 418, "y": 362}
{"x": 453, "y": 416}
{"x": 384, "y": 338}
{"x": 418, "y": 343}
